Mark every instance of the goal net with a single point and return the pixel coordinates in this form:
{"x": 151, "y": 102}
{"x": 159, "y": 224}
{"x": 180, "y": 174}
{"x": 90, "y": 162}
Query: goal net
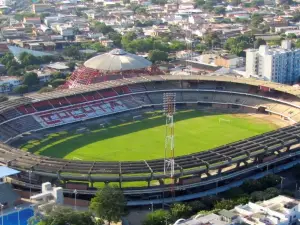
{"x": 222, "y": 120}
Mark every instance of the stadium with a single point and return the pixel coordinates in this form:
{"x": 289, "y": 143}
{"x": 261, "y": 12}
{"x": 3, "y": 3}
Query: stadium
{"x": 128, "y": 101}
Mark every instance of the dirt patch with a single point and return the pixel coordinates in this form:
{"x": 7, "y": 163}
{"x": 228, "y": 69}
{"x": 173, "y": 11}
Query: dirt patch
{"x": 276, "y": 120}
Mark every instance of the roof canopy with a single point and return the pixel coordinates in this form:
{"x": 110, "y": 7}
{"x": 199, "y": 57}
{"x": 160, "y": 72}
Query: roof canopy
{"x": 17, "y": 51}
{"x": 117, "y": 60}
{"x": 5, "y": 171}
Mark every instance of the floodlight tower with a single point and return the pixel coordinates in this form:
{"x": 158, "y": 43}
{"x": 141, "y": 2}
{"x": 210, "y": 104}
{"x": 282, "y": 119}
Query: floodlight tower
{"x": 169, "y": 110}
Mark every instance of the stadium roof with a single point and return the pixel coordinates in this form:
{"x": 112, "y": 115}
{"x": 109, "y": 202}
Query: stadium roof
{"x": 5, "y": 171}
{"x": 17, "y": 51}
{"x": 117, "y": 60}
{"x": 142, "y": 79}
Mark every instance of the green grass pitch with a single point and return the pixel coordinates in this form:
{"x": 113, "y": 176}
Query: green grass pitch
{"x": 144, "y": 140}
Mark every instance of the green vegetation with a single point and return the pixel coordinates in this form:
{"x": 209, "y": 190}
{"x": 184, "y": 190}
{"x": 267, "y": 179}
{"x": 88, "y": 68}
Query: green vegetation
{"x": 61, "y": 215}
{"x": 126, "y": 140}
{"x": 251, "y": 190}
{"x": 237, "y": 45}
{"x": 109, "y": 204}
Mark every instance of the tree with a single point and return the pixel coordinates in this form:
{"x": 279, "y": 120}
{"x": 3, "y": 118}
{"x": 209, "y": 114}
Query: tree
{"x": 237, "y": 45}
{"x": 256, "y": 19}
{"x": 158, "y": 217}
{"x": 235, "y": 2}
{"x": 296, "y": 16}
{"x": 211, "y": 39}
{"x": 71, "y": 51}
{"x": 159, "y": 2}
{"x": 57, "y": 82}
{"x": 197, "y": 206}
{"x": 128, "y": 38}
{"x": 258, "y": 42}
{"x": 60, "y": 215}
{"x": 31, "y": 79}
{"x": 140, "y": 11}
{"x": 257, "y": 196}
{"x": 3, "y": 98}
{"x": 116, "y": 38}
{"x": 157, "y": 55}
{"x": 102, "y": 28}
{"x": 21, "y": 89}
{"x": 251, "y": 185}
{"x": 46, "y": 89}
{"x": 270, "y": 180}
{"x": 71, "y": 65}
{"x": 225, "y": 204}
{"x": 291, "y": 36}
{"x": 271, "y": 192}
{"x": 220, "y": 10}
{"x": 177, "y": 46}
{"x": 200, "y": 3}
{"x": 28, "y": 59}
{"x": 109, "y": 204}
{"x": 201, "y": 47}
{"x": 181, "y": 210}
{"x": 159, "y": 45}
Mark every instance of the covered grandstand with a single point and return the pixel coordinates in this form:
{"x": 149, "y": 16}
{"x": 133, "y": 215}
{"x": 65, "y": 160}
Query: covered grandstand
{"x": 36, "y": 112}
{"x": 112, "y": 65}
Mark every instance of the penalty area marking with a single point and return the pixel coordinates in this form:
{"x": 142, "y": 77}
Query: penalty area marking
{"x": 224, "y": 120}
{"x": 76, "y": 158}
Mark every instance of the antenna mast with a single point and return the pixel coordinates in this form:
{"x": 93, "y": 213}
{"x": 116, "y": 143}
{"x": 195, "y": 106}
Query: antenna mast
{"x": 169, "y": 162}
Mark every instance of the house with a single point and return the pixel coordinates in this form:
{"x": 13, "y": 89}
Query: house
{"x": 40, "y": 8}
{"x": 32, "y": 20}
{"x": 196, "y": 19}
{"x": 169, "y": 8}
{"x": 229, "y": 61}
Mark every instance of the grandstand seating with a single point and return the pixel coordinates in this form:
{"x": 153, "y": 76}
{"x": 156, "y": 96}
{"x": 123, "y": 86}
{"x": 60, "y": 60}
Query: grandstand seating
{"x": 10, "y": 114}
{"x": 137, "y": 88}
{"x": 41, "y": 106}
{"x": 26, "y": 109}
{"x": 122, "y": 90}
{"x": 120, "y": 97}
{"x": 78, "y": 113}
{"x": 59, "y": 102}
{"x": 24, "y": 124}
{"x": 108, "y": 93}
{"x": 91, "y": 96}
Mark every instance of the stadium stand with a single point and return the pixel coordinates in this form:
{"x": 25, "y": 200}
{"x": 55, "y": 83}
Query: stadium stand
{"x": 46, "y": 110}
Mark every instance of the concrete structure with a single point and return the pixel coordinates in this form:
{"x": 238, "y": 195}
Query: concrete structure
{"x": 49, "y": 196}
{"x": 6, "y": 2}
{"x": 280, "y": 210}
{"x": 229, "y": 61}
{"x": 40, "y": 8}
{"x": 280, "y": 64}
{"x": 210, "y": 219}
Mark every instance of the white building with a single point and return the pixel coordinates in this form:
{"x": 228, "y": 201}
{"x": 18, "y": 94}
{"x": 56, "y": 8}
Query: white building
{"x": 280, "y": 64}
{"x": 280, "y": 210}
{"x": 6, "y": 2}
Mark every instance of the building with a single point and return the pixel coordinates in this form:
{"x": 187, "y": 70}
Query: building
{"x": 8, "y": 83}
{"x": 279, "y": 64}
{"x": 229, "y": 61}
{"x": 40, "y": 8}
{"x": 6, "y": 2}
{"x": 32, "y": 20}
{"x": 280, "y": 210}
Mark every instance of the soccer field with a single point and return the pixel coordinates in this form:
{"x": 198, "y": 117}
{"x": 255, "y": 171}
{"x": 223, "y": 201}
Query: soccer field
{"x": 143, "y": 140}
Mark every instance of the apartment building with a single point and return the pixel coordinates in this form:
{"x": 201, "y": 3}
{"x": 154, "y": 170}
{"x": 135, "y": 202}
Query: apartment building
{"x": 279, "y": 64}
